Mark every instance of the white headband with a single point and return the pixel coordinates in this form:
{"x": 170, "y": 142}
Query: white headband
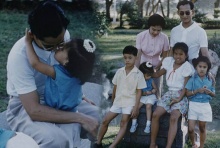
{"x": 89, "y": 45}
{"x": 148, "y": 64}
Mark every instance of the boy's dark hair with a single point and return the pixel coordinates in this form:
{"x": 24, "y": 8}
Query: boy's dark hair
{"x": 201, "y": 58}
{"x": 146, "y": 68}
{"x": 47, "y": 20}
{"x": 130, "y": 50}
{"x": 156, "y": 20}
{"x": 185, "y": 2}
{"x": 81, "y": 62}
{"x": 182, "y": 46}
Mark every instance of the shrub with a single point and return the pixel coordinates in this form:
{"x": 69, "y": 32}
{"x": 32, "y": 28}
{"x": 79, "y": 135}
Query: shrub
{"x": 211, "y": 24}
{"x": 171, "y": 22}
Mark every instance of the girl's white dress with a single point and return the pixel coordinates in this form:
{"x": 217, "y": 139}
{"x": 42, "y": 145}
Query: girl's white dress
{"x": 175, "y": 82}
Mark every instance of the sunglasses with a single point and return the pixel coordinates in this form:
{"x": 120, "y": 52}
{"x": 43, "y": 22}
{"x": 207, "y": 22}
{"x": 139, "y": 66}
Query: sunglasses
{"x": 53, "y": 47}
{"x": 184, "y": 12}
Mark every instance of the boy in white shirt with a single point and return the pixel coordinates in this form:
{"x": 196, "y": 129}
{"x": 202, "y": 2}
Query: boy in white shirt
{"x": 128, "y": 82}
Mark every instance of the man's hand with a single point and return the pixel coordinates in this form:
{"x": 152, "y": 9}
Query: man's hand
{"x": 91, "y": 125}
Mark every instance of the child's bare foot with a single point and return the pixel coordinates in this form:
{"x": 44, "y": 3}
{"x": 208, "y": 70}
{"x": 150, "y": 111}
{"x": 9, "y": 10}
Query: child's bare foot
{"x": 111, "y": 146}
{"x": 194, "y": 146}
{"x": 153, "y": 146}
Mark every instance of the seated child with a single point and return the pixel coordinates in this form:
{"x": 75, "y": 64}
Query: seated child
{"x": 148, "y": 96}
{"x": 128, "y": 82}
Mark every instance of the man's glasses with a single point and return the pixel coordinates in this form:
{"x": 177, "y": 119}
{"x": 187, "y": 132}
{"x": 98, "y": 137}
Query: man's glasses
{"x": 184, "y": 12}
{"x": 53, "y": 47}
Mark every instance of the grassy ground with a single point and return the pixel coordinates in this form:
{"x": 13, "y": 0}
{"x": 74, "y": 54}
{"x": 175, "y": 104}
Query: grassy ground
{"x": 212, "y": 141}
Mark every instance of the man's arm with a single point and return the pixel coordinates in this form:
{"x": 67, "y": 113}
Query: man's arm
{"x": 205, "y": 52}
{"x": 38, "y": 112}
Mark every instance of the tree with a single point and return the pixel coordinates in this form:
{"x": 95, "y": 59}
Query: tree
{"x": 140, "y": 4}
{"x": 108, "y": 5}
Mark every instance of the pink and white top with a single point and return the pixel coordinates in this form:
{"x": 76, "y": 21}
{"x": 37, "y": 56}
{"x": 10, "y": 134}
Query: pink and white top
{"x": 151, "y": 47}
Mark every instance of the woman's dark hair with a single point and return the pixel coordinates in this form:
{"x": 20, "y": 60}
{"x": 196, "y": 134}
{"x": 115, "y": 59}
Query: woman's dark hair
{"x": 204, "y": 59}
{"x": 183, "y": 47}
{"x": 185, "y": 2}
{"x": 146, "y": 69}
{"x": 156, "y": 20}
{"x": 47, "y": 20}
{"x": 81, "y": 62}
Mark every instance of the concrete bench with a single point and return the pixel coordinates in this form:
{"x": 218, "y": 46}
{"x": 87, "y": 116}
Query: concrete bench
{"x": 142, "y": 139}
{"x": 92, "y": 91}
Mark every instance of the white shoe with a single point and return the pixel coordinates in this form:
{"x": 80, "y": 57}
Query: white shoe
{"x": 133, "y": 128}
{"x": 197, "y": 139}
{"x": 147, "y": 129}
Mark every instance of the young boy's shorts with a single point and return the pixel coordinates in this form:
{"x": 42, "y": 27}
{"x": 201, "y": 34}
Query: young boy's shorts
{"x": 121, "y": 110}
{"x": 150, "y": 99}
{"x": 200, "y": 111}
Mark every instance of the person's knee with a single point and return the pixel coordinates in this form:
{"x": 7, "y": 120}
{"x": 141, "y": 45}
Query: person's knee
{"x": 173, "y": 118}
{"x": 202, "y": 129}
{"x": 148, "y": 107}
{"x": 105, "y": 122}
{"x": 191, "y": 130}
{"x": 123, "y": 123}
{"x": 155, "y": 116}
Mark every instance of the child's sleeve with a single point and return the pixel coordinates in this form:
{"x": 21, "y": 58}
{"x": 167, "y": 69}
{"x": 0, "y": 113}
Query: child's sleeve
{"x": 187, "y": 70}
{"x": 114, "y": 80}
{"x": 166, "y": 63}
{"x": 141, "y": 82}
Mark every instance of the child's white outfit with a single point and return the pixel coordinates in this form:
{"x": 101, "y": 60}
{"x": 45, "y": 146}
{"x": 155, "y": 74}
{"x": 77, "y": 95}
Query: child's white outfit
{"x": 125, "y": 96}
{"x": 175, "y": 82}
{"x": 199, "y": 107}
{"x": 149, "y": 99}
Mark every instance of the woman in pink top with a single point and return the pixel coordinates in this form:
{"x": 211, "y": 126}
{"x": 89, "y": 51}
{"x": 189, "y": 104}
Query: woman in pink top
{"x": 153, "y": 46}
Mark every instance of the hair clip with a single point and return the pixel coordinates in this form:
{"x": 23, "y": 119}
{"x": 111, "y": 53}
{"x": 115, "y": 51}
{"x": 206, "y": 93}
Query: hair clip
{"x": 148, "y": 64}
{"x": 89, "y": 45}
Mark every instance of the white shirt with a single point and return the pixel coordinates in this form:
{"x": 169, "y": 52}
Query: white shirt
{"x": 21, "y": 77}
{"x": 127, "y": 85}
{"x": 194, "y": 36}
{"x": 175, "y": 78}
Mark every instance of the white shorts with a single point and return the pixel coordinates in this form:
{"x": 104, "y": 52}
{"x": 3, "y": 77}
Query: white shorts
{"x": 200, "y": 111}
{"x": 150, "y": 99}
{"x": 21, "y": 140}
{"x": 121, "y": 110}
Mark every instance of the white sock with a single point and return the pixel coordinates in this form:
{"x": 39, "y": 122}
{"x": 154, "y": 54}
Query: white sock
{"x": 148, "y": 123}
{"x": 134, "y": 121}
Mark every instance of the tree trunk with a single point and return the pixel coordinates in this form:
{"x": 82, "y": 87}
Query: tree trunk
{"x": 147, "y": 8}
{"x": 120, "y": 20}
{"x": 161, "y": 7}
{"x": 154, "y": 7}
{"x": 108, "y": 4}
{"x": 140, "y": 4}
{"x": 216, "y": 4}
{"x": 168, "y": 8}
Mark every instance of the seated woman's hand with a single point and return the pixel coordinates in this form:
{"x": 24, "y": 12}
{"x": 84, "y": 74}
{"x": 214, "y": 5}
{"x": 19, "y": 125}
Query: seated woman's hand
{"x": 174, "y": 100}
